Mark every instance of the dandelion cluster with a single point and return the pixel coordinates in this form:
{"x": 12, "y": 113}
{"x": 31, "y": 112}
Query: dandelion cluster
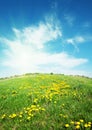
{"x": 44, "y": 101}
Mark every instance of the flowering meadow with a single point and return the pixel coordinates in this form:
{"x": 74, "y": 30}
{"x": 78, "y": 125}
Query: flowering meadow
{"x": 46, "y": 102}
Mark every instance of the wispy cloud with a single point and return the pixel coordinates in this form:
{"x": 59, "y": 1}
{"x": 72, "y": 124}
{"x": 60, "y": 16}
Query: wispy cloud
{"x": 86, "y": 24}
{"x": 69, "y": 19}
{"x": 75, "y": 41}
{"x": 26, "y": 52}
{"x": 79, "y": 39}
{"x": 54, "y": 5}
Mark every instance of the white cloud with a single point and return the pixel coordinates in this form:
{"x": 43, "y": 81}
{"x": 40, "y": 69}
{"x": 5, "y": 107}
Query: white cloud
{"x": 70, "y": 41}
{"x": 26, "y": 52}
{"x": 79, "y": 39}
{"x": 75, "y": 41}
{"x": 38, "y": 35}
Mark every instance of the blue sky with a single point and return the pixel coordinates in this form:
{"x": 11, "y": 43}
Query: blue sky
{"x": 45, "y": 36}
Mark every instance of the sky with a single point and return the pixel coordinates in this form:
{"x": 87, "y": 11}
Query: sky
{"x": 44, "y": 36}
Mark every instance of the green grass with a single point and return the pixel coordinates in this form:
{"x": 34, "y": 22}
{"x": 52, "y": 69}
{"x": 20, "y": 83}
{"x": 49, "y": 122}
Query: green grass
{"x": 46, "y": 102}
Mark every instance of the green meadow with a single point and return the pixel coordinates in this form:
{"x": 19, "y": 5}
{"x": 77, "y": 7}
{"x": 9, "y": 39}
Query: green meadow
{"x": 46, "y": 102}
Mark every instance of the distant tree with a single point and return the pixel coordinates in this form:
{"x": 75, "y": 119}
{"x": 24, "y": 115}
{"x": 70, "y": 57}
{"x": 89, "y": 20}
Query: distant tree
{"x": 51, "y": 73}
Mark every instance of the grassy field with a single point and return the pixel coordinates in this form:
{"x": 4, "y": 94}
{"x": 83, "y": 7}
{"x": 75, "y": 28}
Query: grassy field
{"x": 46, "y": 102}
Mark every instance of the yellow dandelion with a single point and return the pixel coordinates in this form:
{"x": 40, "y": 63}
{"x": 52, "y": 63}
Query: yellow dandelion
{"x": 86, "y": 125}
{"x": 3, "y": 116}
{"x": 20, "y": 116}
{"x": 77, "y": 126}
{"x": 65, "y": 116}
{"x": 72, "y": 122}
{"x": 55, "y": 102}
{"x": 20, "y": 120}
{"x": 89, "y": 123}
{"x": 29, "y": 114}
{"x": 66, "y": 125}
{"x": 28, "y": 108}
{"x": 43, "y": 109}
{"x": 35, "y": 100}
{"x": 21, "y": 113}
{"x": 81, "y": 120}
{"x": 13, "y": 115}
{"x": 77, "y": 123}
{"x": 28, "y": 118}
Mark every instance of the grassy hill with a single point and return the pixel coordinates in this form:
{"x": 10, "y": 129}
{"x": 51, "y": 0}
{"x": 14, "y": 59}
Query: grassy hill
{"x": 46, "y": 102}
